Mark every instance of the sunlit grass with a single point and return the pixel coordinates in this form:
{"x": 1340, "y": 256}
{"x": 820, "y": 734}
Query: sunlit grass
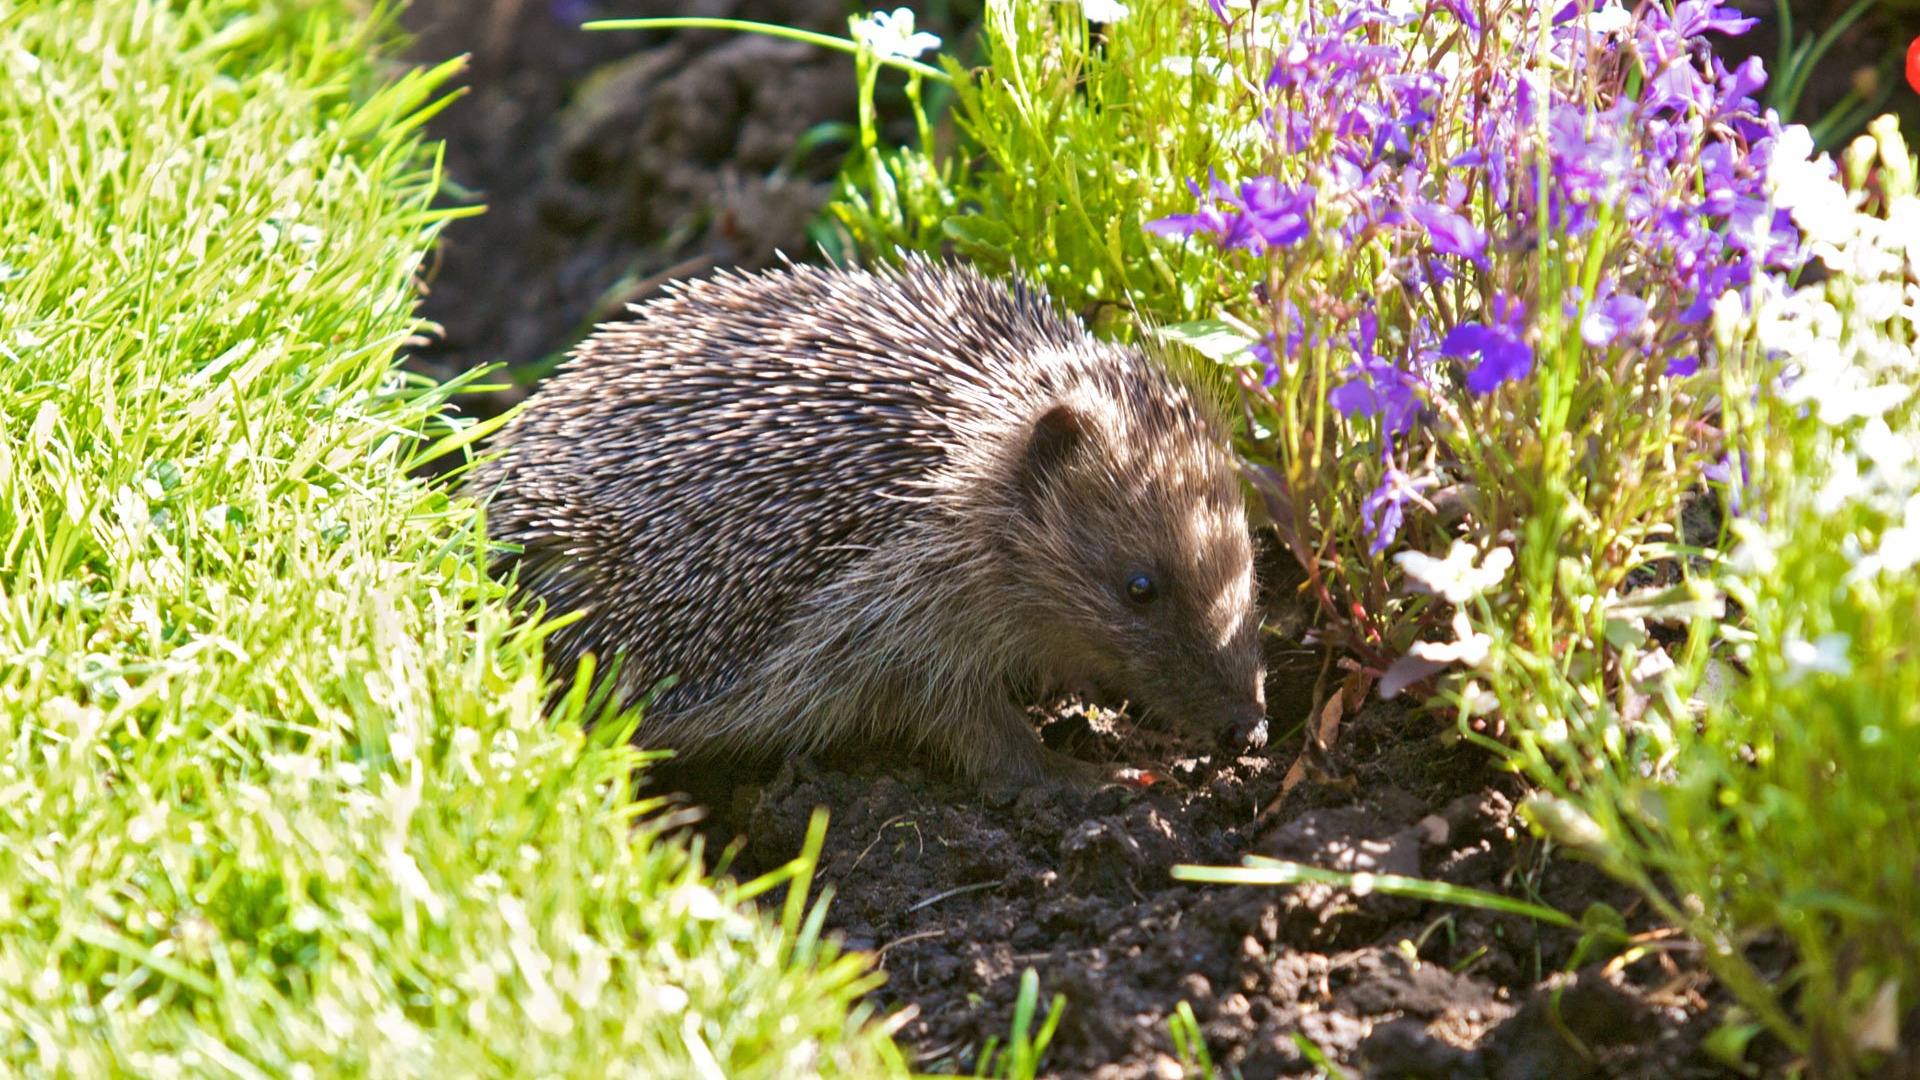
{"x": 277, "y": 797}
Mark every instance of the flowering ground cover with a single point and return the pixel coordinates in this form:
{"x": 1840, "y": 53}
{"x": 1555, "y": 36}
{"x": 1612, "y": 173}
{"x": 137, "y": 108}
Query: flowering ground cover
{"x": 277, "y": 793}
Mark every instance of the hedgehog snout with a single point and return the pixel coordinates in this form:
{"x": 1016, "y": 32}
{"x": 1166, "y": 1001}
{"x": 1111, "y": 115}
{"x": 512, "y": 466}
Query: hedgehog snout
{"x": 1246, "y": 727}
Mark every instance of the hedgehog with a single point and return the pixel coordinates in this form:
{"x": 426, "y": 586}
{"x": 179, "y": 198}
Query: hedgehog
{"x": 814, "y": 506}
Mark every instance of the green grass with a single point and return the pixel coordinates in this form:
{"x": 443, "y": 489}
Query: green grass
{"x": 277, "y": 795}
{"x": 1065, "y": 144}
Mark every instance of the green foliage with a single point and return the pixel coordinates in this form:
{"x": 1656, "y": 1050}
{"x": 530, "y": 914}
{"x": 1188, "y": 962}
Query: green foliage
{"x": 1801, "y": 55}
{"x": 1070, "y": 141}
{"x": 277, "y": 794}
{"x": 1793, "y": 808}
{"x": 1020, "y": 1056}
{"x": 1190, "y": 1044}
{"x": 1762, "y": 790}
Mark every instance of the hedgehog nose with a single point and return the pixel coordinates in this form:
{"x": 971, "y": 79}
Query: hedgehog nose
{"x": 1246, "y": 727}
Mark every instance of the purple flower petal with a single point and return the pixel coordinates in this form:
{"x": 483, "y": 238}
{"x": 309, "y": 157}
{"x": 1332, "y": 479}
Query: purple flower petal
{"x": 1206, "y": 221}
{"x": 1262, "y": 351}
{"x": 1463, "y": 11}
{"x": 1501, "y": 349}
{"x": 1385, "y": 510}
{"x": 1611, "y": 318}
{"x": 1451, "y": 233}
{"x": 1692, "y": 18}
{"x": 1275, "y": 213}
{"x": 1506, "y": 360}
{"x": 1744, "y": 81}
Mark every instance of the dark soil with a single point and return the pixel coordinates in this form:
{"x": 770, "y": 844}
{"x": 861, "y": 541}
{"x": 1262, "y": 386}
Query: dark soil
{"x": 958, "y": 897}
{"x": 612, "y": 162}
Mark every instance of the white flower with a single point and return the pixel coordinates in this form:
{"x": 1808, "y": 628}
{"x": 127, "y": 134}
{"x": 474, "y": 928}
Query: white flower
{"x": 1877, "y": 301}
{"x": 1606, "y": 19}
{"x": 1809, "y": 187}
{"x": 893, "y": 34}
{"x": 1183, "y": 66}
{"x": 1103, "y": 11}
{"x": 1467, "y": 647}
{"x": 1756, "y": 553}
{"x": 1728, "y": 312}
{"x": 1899, "y": 549}
{"x": 1891, "y": 456}
{"x": 1827, "y": 654}
{"x": 1841, "y": 392}
{"x": 1840, "y": 486}
{"x": 1455, "y": 577}
{"x": 670, "y": 998}
{"x": 1903, "y": 221}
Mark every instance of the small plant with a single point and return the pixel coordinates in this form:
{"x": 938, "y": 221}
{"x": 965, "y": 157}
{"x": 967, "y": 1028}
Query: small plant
{"x": 1190, "y": 1044}
{"x": 1020, "y": 1056}
{"x": 1069, "y": 128}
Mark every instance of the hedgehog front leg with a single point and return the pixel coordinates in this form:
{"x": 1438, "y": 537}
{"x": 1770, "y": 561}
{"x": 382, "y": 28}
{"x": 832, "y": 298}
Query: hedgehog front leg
{"x": 998, "y": 750}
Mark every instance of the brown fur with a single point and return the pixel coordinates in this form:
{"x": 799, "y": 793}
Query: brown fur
{"x": 838, "y": 504}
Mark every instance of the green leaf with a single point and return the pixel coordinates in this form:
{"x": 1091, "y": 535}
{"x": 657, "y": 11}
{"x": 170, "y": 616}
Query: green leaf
{"x": 1216, "y": 340}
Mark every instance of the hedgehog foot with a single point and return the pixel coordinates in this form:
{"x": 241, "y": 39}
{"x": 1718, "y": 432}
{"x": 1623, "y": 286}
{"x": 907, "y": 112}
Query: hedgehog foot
{"x": 1003, "y": 756}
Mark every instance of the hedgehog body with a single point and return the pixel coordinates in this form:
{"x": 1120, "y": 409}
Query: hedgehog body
{"x": 836, "y": 504}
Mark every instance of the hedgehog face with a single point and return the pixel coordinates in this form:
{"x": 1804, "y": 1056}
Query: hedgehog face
{"x": 1134, "y": 568}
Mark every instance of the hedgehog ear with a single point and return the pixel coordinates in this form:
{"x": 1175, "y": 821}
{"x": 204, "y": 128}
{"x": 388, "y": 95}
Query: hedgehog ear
{"x": 1056, "y": 439}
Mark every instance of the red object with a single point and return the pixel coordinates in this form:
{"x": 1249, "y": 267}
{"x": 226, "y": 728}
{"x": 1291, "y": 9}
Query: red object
{"x": 1913, "y": 65}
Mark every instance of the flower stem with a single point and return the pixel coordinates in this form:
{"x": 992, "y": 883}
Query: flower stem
{"x": 845, "y": 45}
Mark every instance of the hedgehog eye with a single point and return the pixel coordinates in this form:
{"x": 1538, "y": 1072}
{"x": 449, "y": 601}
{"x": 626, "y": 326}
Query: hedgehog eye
{"x": 1141, "y": 589}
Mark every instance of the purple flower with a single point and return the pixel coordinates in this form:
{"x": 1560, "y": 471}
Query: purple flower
{"x": 1720, "y": 183}
{"x": 1451, "y": 233}
{"x": 1209, "y": 218}
{"x": 1385, "y": 510}
{"x": 1679, "y": 86}
{"x": 1612, "y": 316}
{"x": 1764, "y": 234}
{"x": 1365, "y": 12}
{"x": 1374, "y": 386}
{"x": 1322, "y": 58}
{"x": 1590, "y": 160}
{"x": 1692, "y": 18}
{"x": 1737, "y": 87}
{"x": 1262, "y": 351}
{"x": 1735, "y": 474}
{"x": 1272, "y": 214}
{"x": 1264, "y": 213}
{"x": 1633, "y": 121}
{"x": 1501, "y": 348}
{"x": 1386, "y": 392}
{"x": 1462, "y": 10}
